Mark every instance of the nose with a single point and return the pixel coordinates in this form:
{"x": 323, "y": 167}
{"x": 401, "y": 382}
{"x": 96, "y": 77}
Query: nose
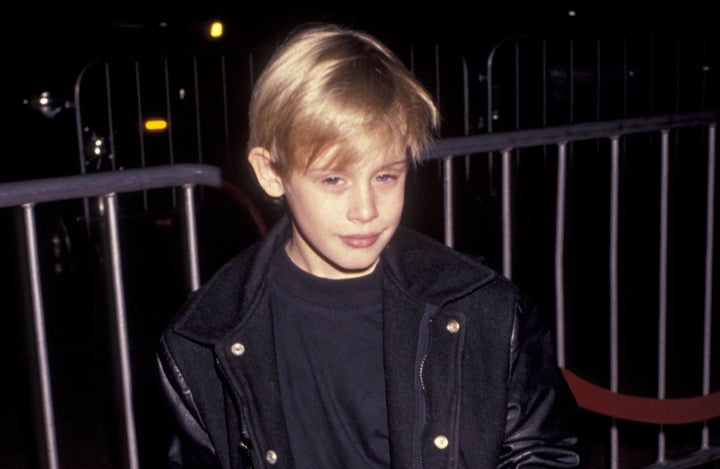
{"x": 363, "y": 206}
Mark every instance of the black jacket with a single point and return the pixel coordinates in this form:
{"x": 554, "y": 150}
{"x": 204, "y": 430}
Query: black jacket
{"x": 470, "y": 370}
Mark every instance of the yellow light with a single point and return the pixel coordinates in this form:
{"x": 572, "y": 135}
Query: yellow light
{"x": 216, "y": 29}
{"x": 155, "y": 125}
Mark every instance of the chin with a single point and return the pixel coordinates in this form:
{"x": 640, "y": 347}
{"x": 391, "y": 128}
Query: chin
{"x": 358, "y": 269}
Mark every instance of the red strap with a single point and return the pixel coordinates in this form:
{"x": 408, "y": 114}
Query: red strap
{"x": 642, "y": 409}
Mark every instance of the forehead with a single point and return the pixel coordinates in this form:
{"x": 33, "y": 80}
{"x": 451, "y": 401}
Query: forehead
{"x": 337, "y": 159}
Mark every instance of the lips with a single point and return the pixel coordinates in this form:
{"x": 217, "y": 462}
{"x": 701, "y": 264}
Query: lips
{"x": 360, "y": 241}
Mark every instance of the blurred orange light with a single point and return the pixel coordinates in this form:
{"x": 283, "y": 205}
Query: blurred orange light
{"x": 216, "y": 29}
{"x": 155, "y": 125}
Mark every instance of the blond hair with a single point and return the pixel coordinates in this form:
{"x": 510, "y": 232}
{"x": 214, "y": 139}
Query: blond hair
{"x": 332, "y": 90}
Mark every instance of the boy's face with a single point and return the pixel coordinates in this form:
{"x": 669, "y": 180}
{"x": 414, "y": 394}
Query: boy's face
{"x": 344, "y": 217}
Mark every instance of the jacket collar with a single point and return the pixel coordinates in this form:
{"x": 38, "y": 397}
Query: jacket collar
{"x": 417, "y": 264}
{"x": 221, "y": 303}
{"x": 431, "y": 271}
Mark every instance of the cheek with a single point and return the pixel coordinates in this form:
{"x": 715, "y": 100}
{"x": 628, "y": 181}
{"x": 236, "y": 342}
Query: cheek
{"x": 393, "y": 203}
{"x": 312, "y": 211}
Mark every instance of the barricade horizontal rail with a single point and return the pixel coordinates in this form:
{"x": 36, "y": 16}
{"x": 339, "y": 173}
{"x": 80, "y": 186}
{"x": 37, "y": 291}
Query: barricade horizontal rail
{"x": 89, "y": 185}
{"x": 458, "y": 146}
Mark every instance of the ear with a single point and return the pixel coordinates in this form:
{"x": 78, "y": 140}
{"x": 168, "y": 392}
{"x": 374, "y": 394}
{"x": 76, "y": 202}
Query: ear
{"x": 265, "y": 173}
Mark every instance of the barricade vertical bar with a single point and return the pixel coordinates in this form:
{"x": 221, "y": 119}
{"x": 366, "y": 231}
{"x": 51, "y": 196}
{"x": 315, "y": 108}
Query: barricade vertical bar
{"x": 448, "y": 202}
{"x": 121, "y": 325}
{"x": 517, "y": 85}
{"x": 168, "y": 118}
{"x": 168, "y": 115}
{"x": 191, "y": 228}
{"x": 614, "y": 350}
{"x": 662, "y": 300}
{"x": 110, "y": 120}
{"x": 198, "y": 120}
{"x": 571, "y": 81}
{"x": 40, "y": 339}
{"x": 466, "y": 112}
{"x": 140, "y": 127}
{"x": 614, "y": 204}
{"x": 506, "y": 215}
{"x": 709, "y": 235}
{"x": 545, "y": 86}
{"x": 560, "y": 252}
{"x": 225, "y": 103}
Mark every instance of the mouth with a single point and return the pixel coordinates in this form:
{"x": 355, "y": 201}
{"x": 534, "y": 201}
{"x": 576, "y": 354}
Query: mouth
{"x": 361, "y": 240}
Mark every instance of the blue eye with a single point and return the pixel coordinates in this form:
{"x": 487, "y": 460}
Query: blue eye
{"x": 386, "y": 177}
{"x": 331, "y": 180}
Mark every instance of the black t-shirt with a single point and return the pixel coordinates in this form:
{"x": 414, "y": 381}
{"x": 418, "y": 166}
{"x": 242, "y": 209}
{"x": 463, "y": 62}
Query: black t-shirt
{"x": 329, "y": 350}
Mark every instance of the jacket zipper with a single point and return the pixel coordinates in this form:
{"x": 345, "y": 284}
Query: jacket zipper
{"x": 428, "y": 319}
{"x": 244, "y": 430}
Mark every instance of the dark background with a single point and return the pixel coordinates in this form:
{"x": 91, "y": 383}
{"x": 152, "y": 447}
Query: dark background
{"x": 46, "y": 49}
{"x": 47, "y": 45}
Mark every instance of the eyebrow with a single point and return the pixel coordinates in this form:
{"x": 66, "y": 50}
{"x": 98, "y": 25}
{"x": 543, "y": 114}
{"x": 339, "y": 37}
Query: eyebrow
{"x": 343, "y": 169}
{"x": 395, "y": 163}
{"x": 392, "y": 164}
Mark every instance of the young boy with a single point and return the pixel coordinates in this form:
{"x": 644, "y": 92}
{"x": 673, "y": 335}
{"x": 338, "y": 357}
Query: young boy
{"x": 342, "y": 340}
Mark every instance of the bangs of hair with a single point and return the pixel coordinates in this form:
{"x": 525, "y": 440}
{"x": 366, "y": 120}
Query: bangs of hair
{"x": 347, "y": 96}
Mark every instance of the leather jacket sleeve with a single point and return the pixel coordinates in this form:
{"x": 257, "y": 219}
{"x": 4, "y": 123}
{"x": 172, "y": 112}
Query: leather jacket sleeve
{"x": 543, "y": 427}
{"x": 191, "y": 446}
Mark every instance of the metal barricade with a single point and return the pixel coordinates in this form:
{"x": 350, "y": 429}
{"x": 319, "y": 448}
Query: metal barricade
{"x": 666, "y": 145}
{"x": 605, "y": 391}
{"x": 108, "y": 186}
